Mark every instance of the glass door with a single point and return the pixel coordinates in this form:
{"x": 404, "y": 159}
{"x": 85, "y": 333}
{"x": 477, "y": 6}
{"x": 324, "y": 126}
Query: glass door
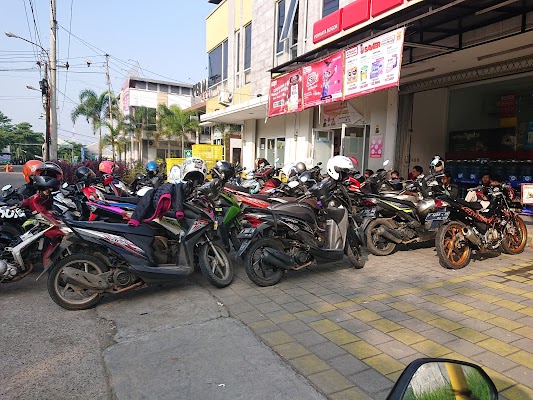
{"x": 356, "y": 144}
{"x": 323, "y": 142}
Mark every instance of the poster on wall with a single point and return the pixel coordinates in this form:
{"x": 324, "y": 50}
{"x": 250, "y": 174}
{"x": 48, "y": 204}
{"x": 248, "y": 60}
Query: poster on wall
{"x": 338, "y": 113}
{"x": 373, "y": 65}
{"x": 527, "y": 194}
{"x": 376, "y": 146}
{"x": 323, "y": 81}
{"x": 285, "y": 94}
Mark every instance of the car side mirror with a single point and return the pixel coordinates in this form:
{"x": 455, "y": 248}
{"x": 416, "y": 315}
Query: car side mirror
{"x": 434, "y": 378}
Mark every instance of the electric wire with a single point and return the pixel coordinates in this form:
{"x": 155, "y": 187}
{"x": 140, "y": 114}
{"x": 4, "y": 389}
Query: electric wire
{"x": 68, "y": 53}
{"x": 36, "y": 56}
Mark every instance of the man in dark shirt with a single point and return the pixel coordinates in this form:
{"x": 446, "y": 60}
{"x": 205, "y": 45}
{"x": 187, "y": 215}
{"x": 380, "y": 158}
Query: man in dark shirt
{"x": 448, "y": 186}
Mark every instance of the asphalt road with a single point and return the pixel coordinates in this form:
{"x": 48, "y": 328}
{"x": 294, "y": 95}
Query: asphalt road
{"x": 161, "y": 342}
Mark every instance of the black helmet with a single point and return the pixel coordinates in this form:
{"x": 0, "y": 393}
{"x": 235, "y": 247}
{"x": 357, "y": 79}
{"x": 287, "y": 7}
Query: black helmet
{"x": 50, "y": 169}
{"x": 85, "y": 174}
{"x": 42, "y": 182}
{"x": 224, "y": 170}
{"x": 300, "y": 167}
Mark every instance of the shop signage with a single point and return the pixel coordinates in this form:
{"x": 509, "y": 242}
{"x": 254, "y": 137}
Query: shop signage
{"x": 381, "y": 6}
{"x": 336, "y": 114}
{"x": 126, "y": 101}
{"x": 285, "y": 94}
{"x": 322, "y": 81}
{"x": 373, "y": 65}
{"x": 355, "y": 13}
{"x": 327, "y": 26}
{"x": 376, "y": 146}
{"x": 527, "y": 193}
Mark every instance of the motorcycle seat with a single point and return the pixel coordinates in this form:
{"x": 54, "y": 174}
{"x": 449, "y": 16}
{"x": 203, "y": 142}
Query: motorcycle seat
{"x": 299, "y": 211}
{"x": 131, "y": 200}
{"x": 143, "y": 229}
{"x": 470, "y": 204}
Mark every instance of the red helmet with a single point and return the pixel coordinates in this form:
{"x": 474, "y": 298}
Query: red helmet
{"x": 28, "y": 170}
{"x": 107, "y": 167}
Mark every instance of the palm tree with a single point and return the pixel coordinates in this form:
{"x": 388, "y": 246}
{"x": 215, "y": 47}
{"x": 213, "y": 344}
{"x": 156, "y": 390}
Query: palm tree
{"x": 94, "y": 108}
{"x": 115, "y": 131}
{"x": 139, "y": 125}
{"x": 164, "y": 124}
{"x": 183, "y": 123}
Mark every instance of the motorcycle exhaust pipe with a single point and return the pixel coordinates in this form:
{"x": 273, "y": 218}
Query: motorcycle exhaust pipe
{"x": 278, "y": 258}
{"x": 387, "y": 234}
{"x": 469, "y": 233}
{"x": 85, "y": 280}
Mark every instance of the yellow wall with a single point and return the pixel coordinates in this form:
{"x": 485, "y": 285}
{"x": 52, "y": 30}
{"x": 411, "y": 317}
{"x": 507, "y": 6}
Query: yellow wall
{"x": 246, "y": 15}
{"x": 242, "y": 94}
{"x": 212, "y": 104}
{"x": 216, "y": 26}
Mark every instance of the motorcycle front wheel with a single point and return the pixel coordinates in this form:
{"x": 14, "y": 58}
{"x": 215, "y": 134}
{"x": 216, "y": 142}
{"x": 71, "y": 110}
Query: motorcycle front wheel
{"x": 377, "y": 244}
{"x": 72, "y": 297}
{"x": 258, "y": 270}
{"x": 353, "y": 251}
{"x": 514, "y": 236}
{"x": 452, "y": 248}
{"x": 215, "y": 265}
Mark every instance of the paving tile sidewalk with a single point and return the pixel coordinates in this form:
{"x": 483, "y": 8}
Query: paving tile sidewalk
{"x": 351, "y": 332}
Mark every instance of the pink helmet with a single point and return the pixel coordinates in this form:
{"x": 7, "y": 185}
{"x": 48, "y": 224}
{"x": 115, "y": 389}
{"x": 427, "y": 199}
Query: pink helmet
{"x": 107, "y": 167}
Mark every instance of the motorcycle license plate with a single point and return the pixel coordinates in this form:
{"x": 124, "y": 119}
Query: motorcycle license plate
{"x": 438, "y": 216}
{"x": 246, "y": 233}
{"x": 369, "y": 212}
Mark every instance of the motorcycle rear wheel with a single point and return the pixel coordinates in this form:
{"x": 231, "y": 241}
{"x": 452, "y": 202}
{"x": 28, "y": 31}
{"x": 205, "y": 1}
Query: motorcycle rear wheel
{"x": 452, "y": 254}
{"x": 62, "y": 292}
{"x": 515, "y": 243}
{"x": 259, "y": 271}
{"x": 376, "y": 244}
{"x": 219, "y": 275}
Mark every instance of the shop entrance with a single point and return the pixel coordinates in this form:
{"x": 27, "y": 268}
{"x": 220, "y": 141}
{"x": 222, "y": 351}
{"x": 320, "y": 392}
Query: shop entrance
{"x": 271, "y": 149}
{"x": 353, "y": 143}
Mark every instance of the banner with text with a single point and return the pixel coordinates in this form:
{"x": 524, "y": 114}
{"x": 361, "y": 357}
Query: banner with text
{"x": 373, "y": 65}
{"x": 285, "y": 94}
{"x": 323, "y": 81}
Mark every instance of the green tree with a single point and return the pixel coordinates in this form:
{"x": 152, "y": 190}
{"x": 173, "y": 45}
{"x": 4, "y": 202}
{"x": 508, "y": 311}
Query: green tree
{"x": 163, "y": 125}
{"x": 173, "y": 121}
{"x": 142, "y": 120}
{"x": 95, "y": 109}
{"x": 69, "y": 150}
{"x": 115, "y": 129}
{"x": 226, "y": 130}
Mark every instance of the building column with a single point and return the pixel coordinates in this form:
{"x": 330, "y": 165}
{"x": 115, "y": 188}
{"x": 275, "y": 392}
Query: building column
{"x": 249, "y": 143}
{"x": 391, "y": 126}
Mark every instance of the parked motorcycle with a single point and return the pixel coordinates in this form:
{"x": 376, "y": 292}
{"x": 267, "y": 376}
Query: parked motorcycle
{"x": 472, "y": 227}
{"x": 12, "y": 218}
{"x": 393, "y": 218}
{"x": 293, "y": 236}
{"x": 112, "y": 258}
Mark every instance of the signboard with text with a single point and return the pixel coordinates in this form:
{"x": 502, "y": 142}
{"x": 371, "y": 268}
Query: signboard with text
{"x": 338, "y": 113}
{"x": 322, "y": 81}
{"x": 373, "y": 65}
{"x": 285, "y": 94}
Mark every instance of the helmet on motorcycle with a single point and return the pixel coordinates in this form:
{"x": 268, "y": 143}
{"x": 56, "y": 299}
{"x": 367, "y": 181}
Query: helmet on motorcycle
{"x": 301, "y": 167}
{"x": 194, "y": 169}
{"x": 50, "y": 169}
{"x": 261, "y": 162}
{"x": 224, "y": 170}
{"x": 338, "y": 166}
{"x": 85, "y": 174}
{"x": 28, "y": 170}
{"x": 152, "y": 166}
{"x": 436, "y": 165}
{"x": 107, "y": 167}
{"x": 354, "y": 161}
{"x": 43, "y": 182}
{"x": 175, "y": 174}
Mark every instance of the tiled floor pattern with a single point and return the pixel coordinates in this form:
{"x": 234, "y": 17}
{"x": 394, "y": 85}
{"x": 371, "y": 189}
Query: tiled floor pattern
{"x": 352, "y": 332}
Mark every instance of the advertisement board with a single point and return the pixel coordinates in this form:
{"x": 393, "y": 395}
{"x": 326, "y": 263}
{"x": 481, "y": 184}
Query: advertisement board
{"x": 285, "y": 94}
{"x": 373, "y": 65}
{"x": 338, "y": 113}
{"x": 322, "y": 81}
{"x": 527, "y": 194}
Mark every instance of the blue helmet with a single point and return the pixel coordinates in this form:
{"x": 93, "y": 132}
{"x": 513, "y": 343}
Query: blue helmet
{"x": 152, "y": 166}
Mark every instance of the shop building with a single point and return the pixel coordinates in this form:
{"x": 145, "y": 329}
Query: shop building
{"x": 464, "y": 92}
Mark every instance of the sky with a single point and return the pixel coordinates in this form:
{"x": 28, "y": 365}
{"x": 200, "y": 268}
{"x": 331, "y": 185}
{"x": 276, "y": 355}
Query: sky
{"x": 161, "y": 39}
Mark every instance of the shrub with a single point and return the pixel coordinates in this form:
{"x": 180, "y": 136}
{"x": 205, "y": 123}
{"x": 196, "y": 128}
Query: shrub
{"x": 69, "y": 170}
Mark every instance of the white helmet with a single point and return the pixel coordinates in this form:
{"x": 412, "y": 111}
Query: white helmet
{"x": 175, "y": 174}
{"x": 194, "y": 169}
{"x": 339, "y": 164}
{"x": 436, "y": 165}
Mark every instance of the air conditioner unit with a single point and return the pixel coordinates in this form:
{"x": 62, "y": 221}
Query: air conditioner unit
{"x": 225, "y": 98}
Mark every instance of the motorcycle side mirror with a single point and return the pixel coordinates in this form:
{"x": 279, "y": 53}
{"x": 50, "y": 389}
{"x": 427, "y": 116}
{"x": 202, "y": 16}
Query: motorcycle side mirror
{"x": 6, "y": 188}
{"x": 65, "y": 185}
{"x": 386, "y": 162}
{"x": 293, "y": 184}
{"x": 319, "y": 164}
{"x": 438, "y": 378}
{"x": 244, "y": 168}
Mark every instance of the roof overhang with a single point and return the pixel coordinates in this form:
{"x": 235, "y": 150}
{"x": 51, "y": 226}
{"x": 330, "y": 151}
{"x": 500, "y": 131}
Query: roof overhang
{"x": 433, "y": 28}
{"x": 255, "y": 108}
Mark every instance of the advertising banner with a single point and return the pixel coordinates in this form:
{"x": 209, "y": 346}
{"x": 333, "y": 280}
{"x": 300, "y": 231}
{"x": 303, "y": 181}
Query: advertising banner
{"x": 338, "y": 113}
{"x": 376, "y": 146}
{"x": 373, "y": 65}
{"x": 323, "y": 81}
{"x": 285, "y": 94}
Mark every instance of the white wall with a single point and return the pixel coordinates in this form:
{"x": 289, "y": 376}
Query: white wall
{"x": 148, "y": 98}
{"x": 430, "y": 110}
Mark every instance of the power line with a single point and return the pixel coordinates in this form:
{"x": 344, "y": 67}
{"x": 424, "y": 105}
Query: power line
{"x": 35, "y": 24}
{"x": 29, "y": 30}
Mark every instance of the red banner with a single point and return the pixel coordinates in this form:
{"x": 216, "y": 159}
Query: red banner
{"x": 285, "y": 94}
{"x": 323, "y": 81}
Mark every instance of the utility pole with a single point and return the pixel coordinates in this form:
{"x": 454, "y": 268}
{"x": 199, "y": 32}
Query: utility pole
{"x": 45, "y": 91}
{"x": 53, "y": 82}
{"x": 109, "y": 103}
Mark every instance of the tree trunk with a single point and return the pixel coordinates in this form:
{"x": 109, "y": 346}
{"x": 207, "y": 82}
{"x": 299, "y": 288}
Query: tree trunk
{"x": 182, "y": 145}
{"x": 100, "y": 143}
{"x": 168, "y": 154}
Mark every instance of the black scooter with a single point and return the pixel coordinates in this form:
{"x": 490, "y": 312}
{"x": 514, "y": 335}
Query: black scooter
{"x": 112, "y": 258}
